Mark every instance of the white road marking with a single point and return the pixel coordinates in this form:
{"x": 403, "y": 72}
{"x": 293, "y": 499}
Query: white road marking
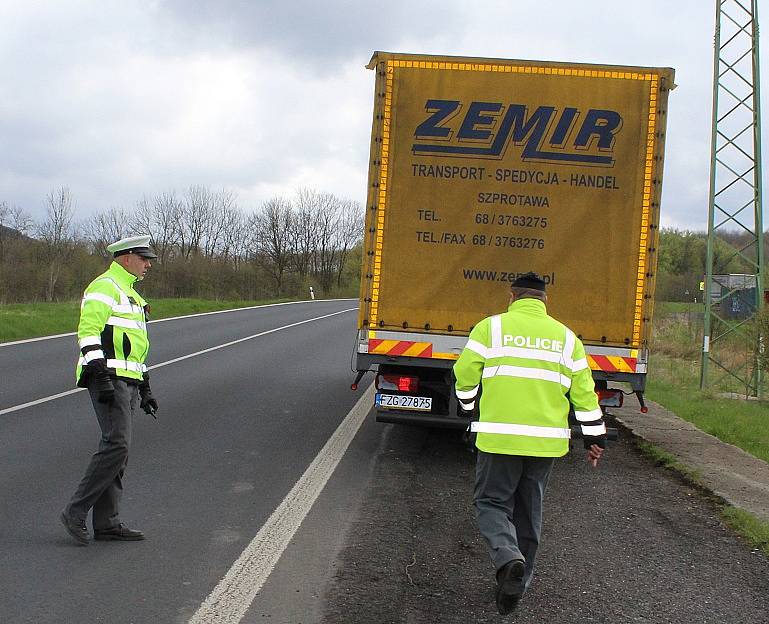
{"x": 264, "y": 333}
{"x": 17, "y": 342}
{"x": 176, "y": 318}
{"x": 53, "y": 397}
{"x": 233, "y": 595}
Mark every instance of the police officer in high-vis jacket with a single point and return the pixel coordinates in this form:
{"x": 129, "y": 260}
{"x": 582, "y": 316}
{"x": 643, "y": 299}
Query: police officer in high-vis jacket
{"x": 530, "y": 369}
{"x": 112, "y": 336}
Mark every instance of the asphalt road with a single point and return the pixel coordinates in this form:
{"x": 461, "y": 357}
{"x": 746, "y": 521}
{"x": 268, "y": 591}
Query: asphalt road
{"x": 628, "y": 542}
{"x": 391, "y": 538}
{"x": 236, "y": 428}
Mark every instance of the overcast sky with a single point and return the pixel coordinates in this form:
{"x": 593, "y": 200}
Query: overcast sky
{"x": 119, "y": 99}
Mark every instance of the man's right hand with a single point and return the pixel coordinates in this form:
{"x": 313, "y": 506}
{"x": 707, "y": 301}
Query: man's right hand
{"x": 594, "y": 453}
{"x": 102, "y": 382}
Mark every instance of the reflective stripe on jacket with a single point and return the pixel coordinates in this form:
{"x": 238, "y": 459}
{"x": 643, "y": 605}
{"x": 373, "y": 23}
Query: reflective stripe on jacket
{"x": 531, "y": 367}
{"x": 113, "y": 325}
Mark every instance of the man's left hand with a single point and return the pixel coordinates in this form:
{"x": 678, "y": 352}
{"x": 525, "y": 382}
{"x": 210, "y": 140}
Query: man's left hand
{"x": 149, "y": 404}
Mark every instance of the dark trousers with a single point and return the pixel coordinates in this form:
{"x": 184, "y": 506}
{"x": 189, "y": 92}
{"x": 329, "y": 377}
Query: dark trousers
{"x": 102, "y": 485}
{"x": 509, "y": 490}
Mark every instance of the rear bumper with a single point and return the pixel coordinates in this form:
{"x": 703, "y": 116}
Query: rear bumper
{"x": 421, "y": 419}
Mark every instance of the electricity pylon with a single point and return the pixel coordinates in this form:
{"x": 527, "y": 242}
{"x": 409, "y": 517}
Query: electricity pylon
{"x": 735, "y": 226}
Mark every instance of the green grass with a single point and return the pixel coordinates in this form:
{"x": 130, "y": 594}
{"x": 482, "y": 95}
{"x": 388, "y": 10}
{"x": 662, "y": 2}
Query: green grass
{"x": 749, "y": 527}
{"x": 20, "y": 321}
{"x": 674, "y": 384}
{"x": 669, "y": 307}
{"x": 23, "y": 320}
{"x": 669, "y": 461}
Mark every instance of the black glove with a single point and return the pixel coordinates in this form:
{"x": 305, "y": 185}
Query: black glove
{"x": 464, "y": 413}
{"x": 597, "y": 440}
{"x": 472, "y": 413}
{"x": 148, "y": 402}
{"x": 100, "y": 380}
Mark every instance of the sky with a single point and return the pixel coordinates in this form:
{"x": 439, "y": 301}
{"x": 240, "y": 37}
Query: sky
{"x": 117, "y": 100}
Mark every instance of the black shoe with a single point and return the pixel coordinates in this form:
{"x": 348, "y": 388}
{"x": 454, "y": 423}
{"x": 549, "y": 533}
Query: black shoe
{"x": 75, "y": 529}
{"x": 510, "y": 586}
{"x": 120, "y": 532}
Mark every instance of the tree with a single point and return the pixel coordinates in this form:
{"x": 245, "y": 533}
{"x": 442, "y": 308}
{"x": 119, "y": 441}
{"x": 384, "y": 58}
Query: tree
{"x": 272, "y": 229}
{"x": 57, "y": 234}
{"x": 304, "y": 231}
{"x": 326, "y": 239}
{"x": 104, "y": 228}
{"x": 196, "y": 215}
{"x": 234, "y": 243}
{"x": 349, "y": 233}
{"x": 221, "y": 212}
{"x": 159, "y": 217}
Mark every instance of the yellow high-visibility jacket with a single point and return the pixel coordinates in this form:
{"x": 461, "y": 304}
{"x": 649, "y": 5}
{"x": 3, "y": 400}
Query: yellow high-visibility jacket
{"x": 531, "y": 367}
{"x": 113, "y": 325}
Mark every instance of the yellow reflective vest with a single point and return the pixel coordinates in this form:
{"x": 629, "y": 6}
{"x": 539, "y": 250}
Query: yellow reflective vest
{"x": 530, "y": 367}
{"x": 113, "y": 325}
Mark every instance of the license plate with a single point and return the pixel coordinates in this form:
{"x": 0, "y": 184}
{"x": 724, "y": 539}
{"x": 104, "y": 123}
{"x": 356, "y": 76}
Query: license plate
{"x": 396, "y": 401}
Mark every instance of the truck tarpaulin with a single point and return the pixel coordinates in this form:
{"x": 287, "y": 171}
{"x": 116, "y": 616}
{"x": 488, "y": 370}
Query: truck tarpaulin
{"x": 483, "y": 169}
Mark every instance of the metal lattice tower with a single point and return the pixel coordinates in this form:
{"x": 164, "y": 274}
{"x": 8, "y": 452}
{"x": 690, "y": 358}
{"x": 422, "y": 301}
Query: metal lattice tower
{"x": 735, "y": 253}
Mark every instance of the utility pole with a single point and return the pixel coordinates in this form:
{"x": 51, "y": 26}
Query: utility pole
{"x": 735, "y": 223}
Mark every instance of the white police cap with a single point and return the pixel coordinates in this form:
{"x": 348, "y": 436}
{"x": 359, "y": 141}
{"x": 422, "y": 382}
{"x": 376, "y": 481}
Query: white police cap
{"x": 139, "y": 245}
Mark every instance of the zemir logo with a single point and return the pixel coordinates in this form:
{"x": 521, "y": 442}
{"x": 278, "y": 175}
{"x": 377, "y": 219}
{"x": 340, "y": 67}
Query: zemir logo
{"x": 547, "y": 134}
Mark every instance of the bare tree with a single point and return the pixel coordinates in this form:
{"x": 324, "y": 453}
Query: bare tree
{"x": 105, "y": 228}
{"x": 349, "y": 232}
{"x": 326, "y": 249}
{"x": 4, "y": 228}
{"x": 57, "y": 234}
{"x": 15, "y": 225}
{"x": 219, "y": 212}
{"x": 271, "y": 229}
{"x": 14, "y": 218}
{"x": 20, "y": 220}
{"x": 230, "y": 239}
{"x": 196, "y": 214}
{"x": 161, "y": 219}
{"x": 5, "y": 232}
{"x": 303, "y": 230}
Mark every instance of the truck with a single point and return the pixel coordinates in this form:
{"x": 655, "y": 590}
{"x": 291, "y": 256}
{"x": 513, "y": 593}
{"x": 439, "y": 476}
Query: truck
{"x": 484, "y": 169}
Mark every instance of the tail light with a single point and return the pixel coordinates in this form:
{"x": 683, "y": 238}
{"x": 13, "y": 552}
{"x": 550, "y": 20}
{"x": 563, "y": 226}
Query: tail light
{"x": 610, "y": 397}
{"x": 399, "y": 383}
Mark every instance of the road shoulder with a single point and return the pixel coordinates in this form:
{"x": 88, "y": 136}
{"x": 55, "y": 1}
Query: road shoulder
{"x": 727, "y": 471}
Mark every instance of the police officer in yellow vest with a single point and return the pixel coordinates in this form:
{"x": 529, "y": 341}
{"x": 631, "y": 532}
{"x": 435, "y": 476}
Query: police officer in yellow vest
{"x": 531, "y": 369}
{"x": 112, "y": 335}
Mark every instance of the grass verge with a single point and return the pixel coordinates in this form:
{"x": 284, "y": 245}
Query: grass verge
{"x": 22, "y": 320}
{"x": 752, "y": 529}
{"x": 673, "y": 382}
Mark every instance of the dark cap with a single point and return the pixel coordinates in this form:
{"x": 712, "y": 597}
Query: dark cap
{"x": 529, "y": 280}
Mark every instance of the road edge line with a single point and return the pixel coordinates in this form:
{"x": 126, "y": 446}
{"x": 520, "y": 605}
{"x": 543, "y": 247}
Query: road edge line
{"x": 233, "y": 595}
{"x": 176, "y": 318}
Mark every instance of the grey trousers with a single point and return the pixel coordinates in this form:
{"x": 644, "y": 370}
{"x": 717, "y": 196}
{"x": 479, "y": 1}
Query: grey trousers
{"x": 102, "y": 485}
{"x": 509, "y": 490}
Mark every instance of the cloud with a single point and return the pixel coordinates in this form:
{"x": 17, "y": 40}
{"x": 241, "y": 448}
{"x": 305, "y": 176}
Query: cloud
{"x": 118, "y": 100}
{"x": 317, "y": 35}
